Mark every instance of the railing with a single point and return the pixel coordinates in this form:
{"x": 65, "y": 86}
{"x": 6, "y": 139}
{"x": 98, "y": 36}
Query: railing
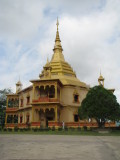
{"x": 46, "y": 99}
{"x": 11, "y": 109}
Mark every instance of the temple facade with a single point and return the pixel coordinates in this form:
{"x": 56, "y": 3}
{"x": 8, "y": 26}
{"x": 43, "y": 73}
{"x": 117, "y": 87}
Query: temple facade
{"x": 50, "y": 100}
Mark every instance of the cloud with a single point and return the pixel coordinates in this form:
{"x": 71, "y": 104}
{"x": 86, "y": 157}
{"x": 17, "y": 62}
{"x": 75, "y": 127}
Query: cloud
{"x": 89, "y": 32}
{"x": 19, "y": 19}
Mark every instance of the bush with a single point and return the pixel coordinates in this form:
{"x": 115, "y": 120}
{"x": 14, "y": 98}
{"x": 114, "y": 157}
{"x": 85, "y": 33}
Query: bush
{"x": 85, "y": 128}
{"x": 41, "y": 129}
{"x": 16, "y": 129}
{"x": 25, "y": 129}
{"x": 72, "y": 129}
{"x": 115, "y": 128}
{"x": 49, "y": 128}
{"x": 21, "y": 129}
{"x": 60, "y": 129}
{"x": 53, "y": 128}
{"x": 35, "y": 129}
{"x": 66, "y": 128}
{"x": 10, "y": 129}
{"x": 46, "y": 129}
{"x": 5, "y": 129}
{"x": 0, "y": 129}
{"x": 79, "y": 129}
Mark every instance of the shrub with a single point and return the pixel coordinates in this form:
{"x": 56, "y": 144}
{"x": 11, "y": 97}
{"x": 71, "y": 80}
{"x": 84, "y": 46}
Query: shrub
{"x": 46, "y": 129}
{"x": 66, "y": 128}
{"x": 115, "y": 128}
{"x": 72, "y": 129}
{"x": 35, "y": 129}
{"x": 60, "y": 129}
{"x": 79, "y": 129}
{"x": 53, "y": 128}
{"x": 49, "y": 128}
{"x": 25, "y": 129}
{"x": 85, "y": 128}
{"x": 41, "y": 128}
{"x": 21, "y": 129}
{"x": 16, "y": 129}
{"x": 5, "y": 129}
{"x": 10, "y": 129}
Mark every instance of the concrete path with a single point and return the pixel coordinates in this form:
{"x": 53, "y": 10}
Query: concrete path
{"x": 54, "y": 147}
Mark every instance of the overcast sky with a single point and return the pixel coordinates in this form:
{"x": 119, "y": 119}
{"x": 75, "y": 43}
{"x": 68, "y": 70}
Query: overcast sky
{"x": 89, "y": 32}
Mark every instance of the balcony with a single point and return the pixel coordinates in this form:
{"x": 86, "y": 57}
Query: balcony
{"x": 11, "y": 109}
{"x": 45, "y": 100}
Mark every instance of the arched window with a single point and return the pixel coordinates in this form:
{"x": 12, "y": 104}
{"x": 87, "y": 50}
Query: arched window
{"x": 75, "y": 97}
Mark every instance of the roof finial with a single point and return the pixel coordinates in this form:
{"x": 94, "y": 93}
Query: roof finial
{"x": 57, "y": 23}
{"x": 47, "y": 59}
{"x": 100, "y": 72}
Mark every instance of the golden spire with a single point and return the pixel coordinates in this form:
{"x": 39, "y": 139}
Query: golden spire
{"x": 57, "y": 47}
{"x": 57, "y": 23}
{"x": 101, "y": 79}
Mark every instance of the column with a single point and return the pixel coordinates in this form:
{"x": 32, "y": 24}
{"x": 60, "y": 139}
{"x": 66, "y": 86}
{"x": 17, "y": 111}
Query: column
{"x": 55, "y": 91}
{"x": 55, "y": 114}
{"x": 7, "y": 103}
{"x": 32, "y": 114}
{"x": 60, "y": 94}
{"x": 6, "y": 118}
{"x": 24, "y": 117}
{"x": 33, "y": 92}
{"x": 13, "y": 118}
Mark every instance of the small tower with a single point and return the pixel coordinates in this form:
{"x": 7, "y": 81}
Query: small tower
{"x": 18, "y": 86}
{"x": 46, "y": 73}
{"x": 101, "y": 80}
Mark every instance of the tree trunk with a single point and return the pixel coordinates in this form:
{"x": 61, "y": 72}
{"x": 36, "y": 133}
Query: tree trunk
{"x": 101, "y": 123}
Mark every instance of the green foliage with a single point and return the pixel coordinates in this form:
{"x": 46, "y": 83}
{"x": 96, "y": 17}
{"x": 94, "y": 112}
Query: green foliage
{"x": 101, "y": 105}
{"x": 16, "y": 129}
{"x": 3, "y": 96}
{"x": 9, "y": 129}
{"x": 60, "y": 129}
{"x": 3, "y": 105}
{"x": 66, "y": 128}
{"x": 13, "y": 103}
{"x": 72, "y": 128}
{"x": 79, "y": 128}
{"x": 53, "y": 128}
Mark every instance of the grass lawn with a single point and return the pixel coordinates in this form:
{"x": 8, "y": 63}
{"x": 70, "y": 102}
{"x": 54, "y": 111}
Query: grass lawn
{"x": 63, "y": 132}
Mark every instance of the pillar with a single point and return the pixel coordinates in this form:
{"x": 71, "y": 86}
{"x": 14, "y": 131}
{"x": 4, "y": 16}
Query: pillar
{"x": 7, "y": 103}
{"x": 56, "y": 114}
{"x": 13, "y": 118}
{"x": 56, "y": 91}
{"x": 6, "y": 118}
{"x": 24, "y": 117}
{"x": 33, "y": 92}
{"x": 32, "y": 114}
{"x": 60, "y": 94}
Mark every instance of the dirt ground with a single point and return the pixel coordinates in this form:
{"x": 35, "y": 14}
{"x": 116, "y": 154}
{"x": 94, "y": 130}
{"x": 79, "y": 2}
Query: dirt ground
{"x": 55, "y": 147}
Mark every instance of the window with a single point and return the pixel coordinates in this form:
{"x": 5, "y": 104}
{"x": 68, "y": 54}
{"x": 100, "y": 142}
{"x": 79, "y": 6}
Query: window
{"x": 27, "y": 118}
{"x": 76, "y": 98}
{"x": 21, "y": 103}
{"x": 21, "y": 119}
{"x": 28, "y": 99}
{"x": 76, "y": 118}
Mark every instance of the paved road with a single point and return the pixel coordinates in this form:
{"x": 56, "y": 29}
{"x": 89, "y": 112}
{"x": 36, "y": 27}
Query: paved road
{"x": 54, "y": 147}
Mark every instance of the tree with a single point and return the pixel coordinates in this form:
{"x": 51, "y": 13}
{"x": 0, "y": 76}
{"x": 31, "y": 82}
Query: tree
{"x": 3, "y": 105}
{"x": 100, "y": 104}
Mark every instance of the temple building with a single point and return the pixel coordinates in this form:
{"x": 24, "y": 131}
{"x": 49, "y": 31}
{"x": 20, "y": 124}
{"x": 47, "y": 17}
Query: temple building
{"x": 51, "y": 99}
